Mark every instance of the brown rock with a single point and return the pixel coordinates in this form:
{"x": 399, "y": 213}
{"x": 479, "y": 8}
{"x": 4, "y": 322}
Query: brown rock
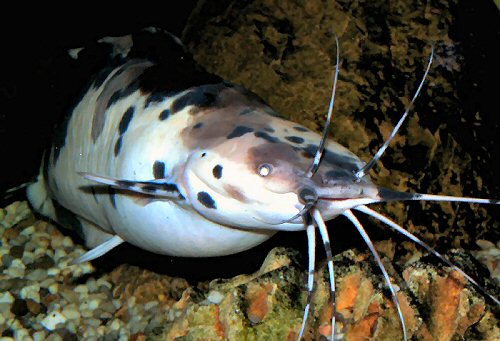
{"x": 266, "y": 307}
{"x": 34, "y": 307}
{"x": 259, "y": 299}
{"x": 138, "y": 337}
{"x": 11, "y": 233}
{"x": 145, "y": 286}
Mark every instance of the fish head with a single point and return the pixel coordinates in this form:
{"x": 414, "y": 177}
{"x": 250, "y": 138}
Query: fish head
{"x": 260, "y": 179}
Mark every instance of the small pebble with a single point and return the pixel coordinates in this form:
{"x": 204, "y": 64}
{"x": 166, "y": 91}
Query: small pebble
{"x": 51, "y": 321}
{"x": 215, "y": 297}
{"x": 71, "y": 312}
{"x": 44, "y": 262}
{"x": 34, "y": 307}
{"x": 39, "y": 335}
{"x": 37, "y": 275}
{"x": 19, "y": 307}
{"x": 6, "y": 297}
{"x": 22, "y": 335}
{"x": 17, "y": 251}
{"x": 31, "y": 291}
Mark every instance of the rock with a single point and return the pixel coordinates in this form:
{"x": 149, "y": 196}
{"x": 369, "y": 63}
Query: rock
{"x": 52, "y": 320}
{"x": 19, "y": 307}
{"x": 44, "y": 262}
{"x": 144, "y": 286}
{"x": 34, "y": 307}
{"x": 17, "y": 251}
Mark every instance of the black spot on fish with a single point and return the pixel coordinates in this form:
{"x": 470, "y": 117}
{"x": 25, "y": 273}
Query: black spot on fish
{"x": 159, "y": 169}
{"x": 149, "y": 188}
{"x": 164, "y": 114}
{"x": 156, "y": 97}
{"x": 239, "y": 131}
{"x": 266, "y": 137}
{"x": 200, "y": 97}
{"x": 206, "y": 200}
{"x": 295, "y": 139}
{"x": 299, "y": 128}
{"x": 119, "y": 94}
{"x": 332, "y": 158}
{"x": 114, "y": 98}
{"x": 269, "y": 129}
{"x": 197, "y": 125}
{"x": 118, "y": 146}
{"x": 311, "y": 149}
{"x": 94, "y": 194}
{"x": 339, "y": 174}
{"x": 123, "y": 184}
{"x": 125, "y": 121}
{"x": 67, "y": 218}
{"x": 168, "y": 187}
{"x": 217, "y": 171}
{"x": 390, "y": 195}
{"x": 112, "y": 194}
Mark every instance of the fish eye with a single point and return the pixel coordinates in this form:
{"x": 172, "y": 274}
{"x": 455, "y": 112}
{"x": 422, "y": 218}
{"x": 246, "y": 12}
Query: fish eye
{"x": 265, "y": 169}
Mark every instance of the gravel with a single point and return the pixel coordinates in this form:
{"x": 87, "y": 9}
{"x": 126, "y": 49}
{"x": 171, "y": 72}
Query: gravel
{"x": 40, "y": 298}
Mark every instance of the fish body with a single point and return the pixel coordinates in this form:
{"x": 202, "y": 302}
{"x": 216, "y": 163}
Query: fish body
{"x": 164, "y": 119}
{"x": 163, "y": 155}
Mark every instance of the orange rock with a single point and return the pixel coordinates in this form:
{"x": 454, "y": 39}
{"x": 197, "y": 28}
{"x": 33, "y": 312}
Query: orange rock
{"x": 138, "y": 337}
{"x": 259, "y": 303}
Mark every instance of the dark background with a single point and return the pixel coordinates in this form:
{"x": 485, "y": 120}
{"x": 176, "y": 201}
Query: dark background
{"x": 35, "y": 88}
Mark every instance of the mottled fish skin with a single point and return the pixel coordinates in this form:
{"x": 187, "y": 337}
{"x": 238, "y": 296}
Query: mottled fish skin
{"x": 159, "y": 117}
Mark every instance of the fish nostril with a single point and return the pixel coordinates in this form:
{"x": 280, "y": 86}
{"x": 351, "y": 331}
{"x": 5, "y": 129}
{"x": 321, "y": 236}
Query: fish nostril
{"x": 307, "y": 195}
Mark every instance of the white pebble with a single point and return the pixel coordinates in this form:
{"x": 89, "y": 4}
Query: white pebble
{"x": 46, "y": 283}
{"x": 86, "y": 312}
{"x": 15, "y": 271}
{"x": 28, "y": 231}
{"x": 91, "y": 285}
{"x": 53, "y": 271}
{"x": 81, "y": 288}
{"x": 71, "y": 312}
{"x": 94, "y": 304}
{"x": 71, "y": 326}
{"x": 67, "y": 242}
{"x": 60, "y": 253}
{"x": 215, "y": 297}
{"x": 51, "y": 321}
{"x": 150, "y": 305}
{"x": 22, "y": 335}
{"x": 32, "y": 292}
{"x": 117, "y": 303}
{"x": 37, "y": 275}
{"x": 54, "y": 288}
{"x": 5, "y": 310}
{"x": 115, "y": 325}
{"x": 102, "y": 281}
{"x": 6, "y": 297}
{"x": 28, "y": 257}
{"x": 39, "y": 335}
